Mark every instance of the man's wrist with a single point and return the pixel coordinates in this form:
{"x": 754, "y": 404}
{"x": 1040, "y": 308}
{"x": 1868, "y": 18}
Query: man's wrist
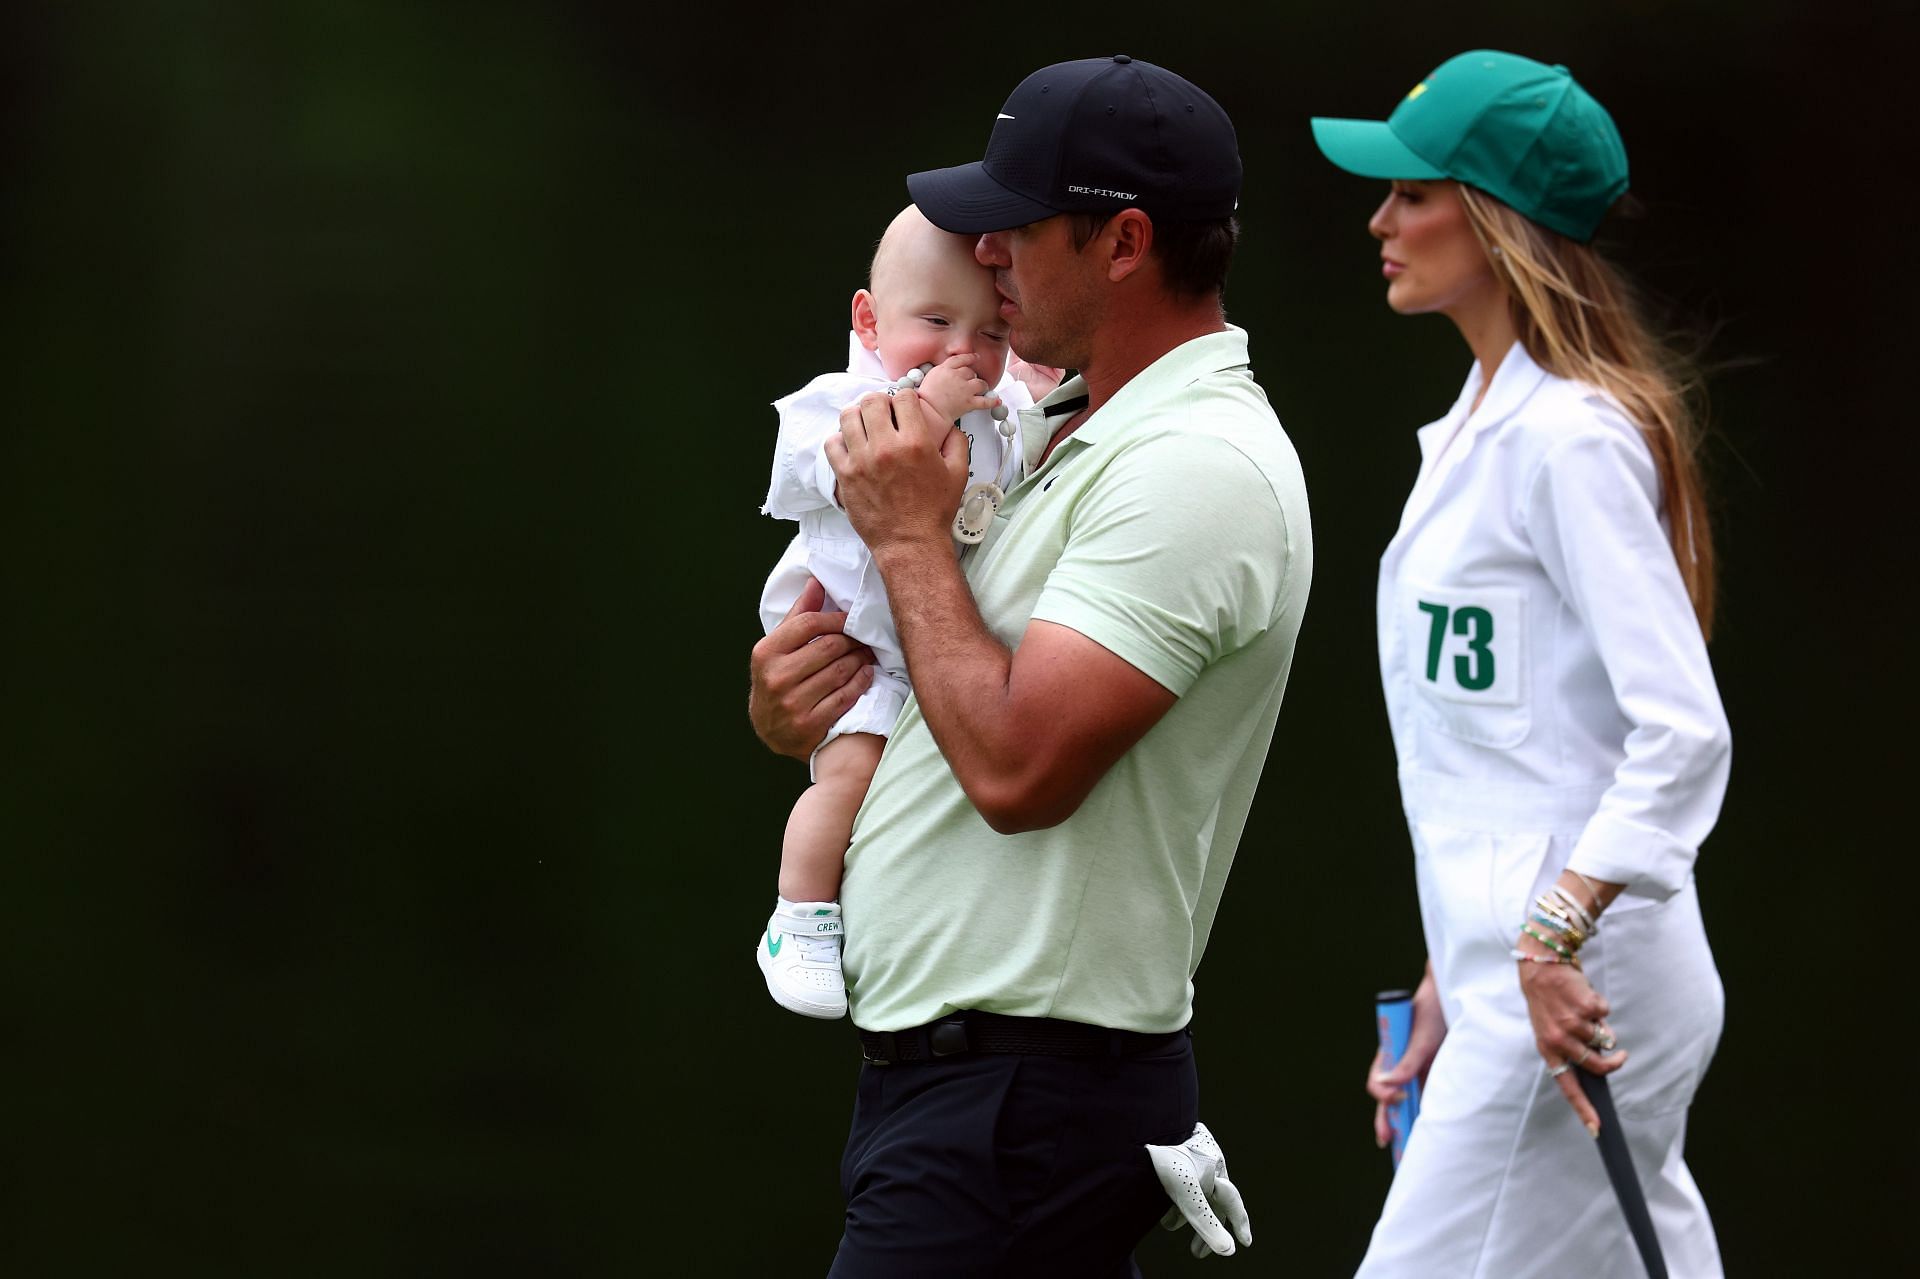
{"x": 910, "y": 553}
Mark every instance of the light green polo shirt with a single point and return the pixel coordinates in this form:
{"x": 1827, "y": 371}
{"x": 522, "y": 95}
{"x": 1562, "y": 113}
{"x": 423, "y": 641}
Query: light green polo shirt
{"x": 1170, "y": 528}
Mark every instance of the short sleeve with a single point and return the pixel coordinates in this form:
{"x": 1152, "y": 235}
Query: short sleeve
{"x": 1178, "y": 555}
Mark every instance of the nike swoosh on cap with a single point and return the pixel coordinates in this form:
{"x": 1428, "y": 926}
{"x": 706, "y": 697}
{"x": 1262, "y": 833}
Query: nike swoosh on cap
{"x": 1003, "y": 116}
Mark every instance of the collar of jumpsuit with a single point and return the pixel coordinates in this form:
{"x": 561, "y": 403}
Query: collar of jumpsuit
{"x": 1445, "y": 442}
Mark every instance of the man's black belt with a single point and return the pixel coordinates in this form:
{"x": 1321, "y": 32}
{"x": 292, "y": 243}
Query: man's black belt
{"x": 977, "y": 1032}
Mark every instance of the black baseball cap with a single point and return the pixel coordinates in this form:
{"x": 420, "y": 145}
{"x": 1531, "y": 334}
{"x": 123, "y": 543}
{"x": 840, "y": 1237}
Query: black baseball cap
{"x": 1093, "y": 136}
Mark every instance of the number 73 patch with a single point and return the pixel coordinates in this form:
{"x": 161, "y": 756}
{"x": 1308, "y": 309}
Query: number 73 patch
{"x": 1466, "y": 645}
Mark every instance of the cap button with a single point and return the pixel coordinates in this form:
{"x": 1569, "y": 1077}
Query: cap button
{"x": 1122, "y": 59}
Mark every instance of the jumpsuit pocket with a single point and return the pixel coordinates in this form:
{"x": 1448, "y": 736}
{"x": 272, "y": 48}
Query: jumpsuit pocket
{"x": 1467, "y": 661}
{"x": 1475, "y": 886}
{"x": 1516, "y": 874}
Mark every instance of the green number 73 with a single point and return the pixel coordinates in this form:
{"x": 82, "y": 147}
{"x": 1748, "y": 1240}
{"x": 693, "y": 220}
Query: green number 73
{"x": 1474, "y": 668}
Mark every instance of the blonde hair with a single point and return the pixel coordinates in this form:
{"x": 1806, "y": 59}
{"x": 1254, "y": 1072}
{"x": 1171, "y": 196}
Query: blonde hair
{"x": 1580, "y": 319}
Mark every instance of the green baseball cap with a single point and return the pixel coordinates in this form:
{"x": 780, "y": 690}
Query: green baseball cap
{"x": 1523, "y": 132}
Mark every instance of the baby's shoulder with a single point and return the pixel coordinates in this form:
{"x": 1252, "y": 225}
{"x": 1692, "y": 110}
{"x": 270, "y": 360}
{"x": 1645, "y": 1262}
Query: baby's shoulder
{"x": 824, "y": 395}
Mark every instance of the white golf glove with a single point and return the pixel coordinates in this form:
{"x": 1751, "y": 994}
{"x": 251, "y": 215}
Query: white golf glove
{"x": 1194, "y": 1175}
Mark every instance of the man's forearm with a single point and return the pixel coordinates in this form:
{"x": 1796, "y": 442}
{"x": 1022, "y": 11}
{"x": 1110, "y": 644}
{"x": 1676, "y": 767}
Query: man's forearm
{"x": 1027, "y": 735}
{"x": 959, "y": 669}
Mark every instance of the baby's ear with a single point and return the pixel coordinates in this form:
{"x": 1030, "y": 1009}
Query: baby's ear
{"x": 864, "y": 321}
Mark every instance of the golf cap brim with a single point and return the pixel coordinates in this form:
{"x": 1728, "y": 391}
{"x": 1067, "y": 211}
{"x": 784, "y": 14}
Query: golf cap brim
{"x": 1370, "y": 149}
{"x": 967, "y": 201}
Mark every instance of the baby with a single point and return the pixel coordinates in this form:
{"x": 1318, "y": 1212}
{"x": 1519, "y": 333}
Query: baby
{"x": 930, "y": 317}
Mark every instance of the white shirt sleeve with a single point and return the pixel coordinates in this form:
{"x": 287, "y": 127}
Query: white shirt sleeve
{"x": 1591, "y": 511}
{"x": 803, "y": 479}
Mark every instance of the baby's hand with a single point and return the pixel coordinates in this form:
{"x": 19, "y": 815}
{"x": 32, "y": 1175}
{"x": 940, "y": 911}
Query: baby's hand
{"x": 954, "y": 389}
{"x": 1039, "y": 379}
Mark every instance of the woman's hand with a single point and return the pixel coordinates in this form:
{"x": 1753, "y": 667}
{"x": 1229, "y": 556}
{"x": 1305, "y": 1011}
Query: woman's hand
{"x": 1388, "y": 1086}
{"x": 1569, "y": 1027}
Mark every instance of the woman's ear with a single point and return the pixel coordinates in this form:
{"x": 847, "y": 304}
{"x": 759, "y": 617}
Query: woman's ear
{"x": 864, "y": 321}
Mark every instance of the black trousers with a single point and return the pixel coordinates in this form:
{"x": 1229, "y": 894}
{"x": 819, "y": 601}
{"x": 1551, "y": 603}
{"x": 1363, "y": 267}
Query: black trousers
{"x": 1002, "y": 1165}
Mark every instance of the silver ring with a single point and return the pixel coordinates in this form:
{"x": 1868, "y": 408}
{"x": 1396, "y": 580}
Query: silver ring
{"x": 1554, "y": 1072}
{"x": 1602, "y": 1039}
{"x": 1584, "y": 1054}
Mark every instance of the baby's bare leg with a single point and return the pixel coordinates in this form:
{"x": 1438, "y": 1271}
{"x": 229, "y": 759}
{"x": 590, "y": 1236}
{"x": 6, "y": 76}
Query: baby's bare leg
{"x": 822, "y": 819}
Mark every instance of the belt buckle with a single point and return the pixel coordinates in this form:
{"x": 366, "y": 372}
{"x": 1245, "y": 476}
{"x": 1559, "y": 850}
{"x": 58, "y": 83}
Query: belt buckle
{"x": 947, "y": 1038}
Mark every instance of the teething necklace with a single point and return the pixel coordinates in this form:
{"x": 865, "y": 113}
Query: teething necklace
{"x": 981, "y": 502}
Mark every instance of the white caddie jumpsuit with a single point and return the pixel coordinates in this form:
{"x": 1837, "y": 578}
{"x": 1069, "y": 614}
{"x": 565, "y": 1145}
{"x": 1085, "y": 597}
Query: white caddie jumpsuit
{"x": 1551, "y": 703}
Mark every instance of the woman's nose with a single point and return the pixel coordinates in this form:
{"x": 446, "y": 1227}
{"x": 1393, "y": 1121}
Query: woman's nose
{"x": 1380, "y": 225}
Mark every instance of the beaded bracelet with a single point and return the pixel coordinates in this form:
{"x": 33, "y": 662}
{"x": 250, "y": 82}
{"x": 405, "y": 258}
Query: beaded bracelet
{"x": 1565, "y": 922}
{"x": 1546, "y": 941}
{"x": 1568, "y": 933}
{"x": 1561, "y": 922}
{"x": 1572, "y": 961}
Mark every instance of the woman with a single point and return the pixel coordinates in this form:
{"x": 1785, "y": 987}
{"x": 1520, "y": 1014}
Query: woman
{"x": 1542, "y": 616}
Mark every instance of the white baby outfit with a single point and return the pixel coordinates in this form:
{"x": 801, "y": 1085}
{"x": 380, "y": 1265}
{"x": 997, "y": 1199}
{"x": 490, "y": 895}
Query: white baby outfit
{"x": 827, "y": 548}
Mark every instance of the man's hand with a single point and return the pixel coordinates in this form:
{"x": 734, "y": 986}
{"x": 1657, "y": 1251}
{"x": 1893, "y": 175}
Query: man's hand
{"x": 805, "y": 676}
{"x": 1194, "y": 1175}
{"x": 901, "y": 468}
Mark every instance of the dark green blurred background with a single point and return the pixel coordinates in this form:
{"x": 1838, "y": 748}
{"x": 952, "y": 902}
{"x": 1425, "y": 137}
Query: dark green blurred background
{"x": 385, "y": 421}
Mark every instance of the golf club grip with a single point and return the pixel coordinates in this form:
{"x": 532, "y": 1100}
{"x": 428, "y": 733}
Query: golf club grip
{"x": 1393, "y": 1017}
{"x": 1619, "y": 1164}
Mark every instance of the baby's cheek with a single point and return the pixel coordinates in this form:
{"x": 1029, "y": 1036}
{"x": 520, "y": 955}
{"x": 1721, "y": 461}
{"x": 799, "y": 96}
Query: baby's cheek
{"x": 897, "y": 360}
